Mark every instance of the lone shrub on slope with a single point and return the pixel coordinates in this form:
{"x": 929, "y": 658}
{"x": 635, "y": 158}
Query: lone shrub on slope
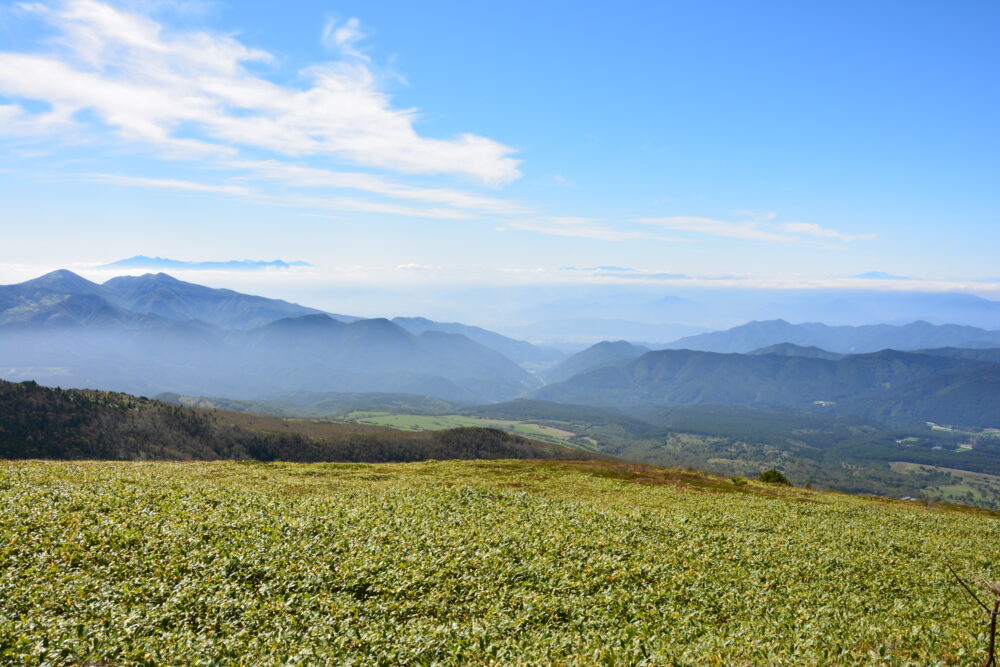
{"x": 773, "y": 476}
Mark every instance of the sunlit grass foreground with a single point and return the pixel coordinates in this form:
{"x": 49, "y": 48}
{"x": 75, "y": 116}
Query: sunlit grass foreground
{"x": 473, "y": 562}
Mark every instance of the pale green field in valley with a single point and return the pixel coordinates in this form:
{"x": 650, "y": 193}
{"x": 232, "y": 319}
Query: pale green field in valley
{"x": 438, "y": 422}
{"x": 499, "y": 563}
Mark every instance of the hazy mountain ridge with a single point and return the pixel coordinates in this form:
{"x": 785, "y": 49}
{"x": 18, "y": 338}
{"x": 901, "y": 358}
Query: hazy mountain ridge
{"x": 868, "y": 384}
{"x": 174, "y": 299}
{"x": 575, "y": 333}
{"x": 153, "y": 333}
{"x": 517, "y": 350}
{"x": 641, "y": 315}
{"x": 67, "y": 298}
{"x": 251, "y": 364}
{"x": 991, "y": 355}
{"x": 62, "y": 296}
{"x": 842, "y": 339}
{"x": 602, "y": 354}
{"x": 144, "y": 262}
{"x": 319, "y": 353}
{"x": 793, "y": 350}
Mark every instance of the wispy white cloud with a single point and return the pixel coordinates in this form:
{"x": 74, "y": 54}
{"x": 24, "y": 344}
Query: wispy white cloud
{"x": 419, "y": 267}
{"x": 310, "y": 177}
{"x": 16, "y": 123}
{"x": 169, "y": 184}
{"x": 760, "y": 227}
{"x": 344, "y": 36}
{"x": 293, "y": 199}
{"x": 585, "y": 228}
{"x": 812, "y": 229}
{"x": 563, "y": 182}
{"x": 363, "y": 206}
{"x": 197, "y": 8}
{"x": 150, "y": 85}
{"x": 749, "y": 229}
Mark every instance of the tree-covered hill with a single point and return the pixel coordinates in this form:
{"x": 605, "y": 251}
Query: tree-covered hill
{"x": 893, "y": 386}
{"x": 41, "y": 422}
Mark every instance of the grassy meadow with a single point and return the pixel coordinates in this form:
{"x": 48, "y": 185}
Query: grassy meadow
{"x": 543, "y": 432}
{"x": 500, "y": 562}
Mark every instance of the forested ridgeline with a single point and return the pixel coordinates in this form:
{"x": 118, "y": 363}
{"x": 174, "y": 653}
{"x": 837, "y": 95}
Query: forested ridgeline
{"x": 46, "y": 423}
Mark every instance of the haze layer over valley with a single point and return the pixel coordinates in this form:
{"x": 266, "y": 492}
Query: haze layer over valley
{"x": 153, "y": 333}
{"x": 808, "y": 398}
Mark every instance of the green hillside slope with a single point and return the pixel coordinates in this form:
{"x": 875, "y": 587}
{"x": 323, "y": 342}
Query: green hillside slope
{"x": 498, "y": 563}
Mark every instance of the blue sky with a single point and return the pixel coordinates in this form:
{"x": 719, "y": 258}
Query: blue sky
{"x": 723, "y": 143}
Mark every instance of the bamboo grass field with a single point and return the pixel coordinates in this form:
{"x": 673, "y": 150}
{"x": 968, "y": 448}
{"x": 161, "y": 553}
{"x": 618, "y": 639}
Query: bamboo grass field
{"x": 494, "y": 563}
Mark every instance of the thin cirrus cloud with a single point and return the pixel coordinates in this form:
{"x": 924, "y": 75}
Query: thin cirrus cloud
{"x": 310, "y": 177}
{"x": 344, "y": 36}
{"x": 760, "y": 228}
{"x": 297, "y": 200}
{"x": 584, "y": 228}
{"x": 812, "y": 229}
{"x": 110, "y": 73}
{"x": 169, "y": 184}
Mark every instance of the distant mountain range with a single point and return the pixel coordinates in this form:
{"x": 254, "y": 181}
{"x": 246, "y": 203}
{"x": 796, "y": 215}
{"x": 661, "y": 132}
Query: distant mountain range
{"x": 153, "y": 333}
{"x": 162, "y": 263}
{"x": 320, "y": 353}
{"x": 892, "y": 386}
{"x": 62, "y": 298}
{"x": 844, "y": 339}
{"x": 585, "y": 331}
{"x": 517, "y": 350}
{"x": 613, "y": 314}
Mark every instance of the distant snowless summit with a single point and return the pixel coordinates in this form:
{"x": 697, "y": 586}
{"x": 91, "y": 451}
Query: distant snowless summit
{"x": 143, "y": 262}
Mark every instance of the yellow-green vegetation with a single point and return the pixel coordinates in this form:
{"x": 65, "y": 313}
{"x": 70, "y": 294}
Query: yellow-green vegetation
{"x": 502, "y": 562}
{"x": 543, "y": 432}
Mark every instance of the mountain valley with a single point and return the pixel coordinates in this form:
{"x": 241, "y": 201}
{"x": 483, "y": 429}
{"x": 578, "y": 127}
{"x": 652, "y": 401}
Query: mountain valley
{"x": 838, "y": 407}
